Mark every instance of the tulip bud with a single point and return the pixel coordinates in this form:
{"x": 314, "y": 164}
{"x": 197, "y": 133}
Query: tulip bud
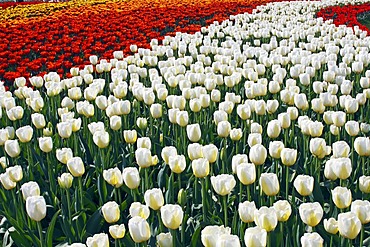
{"x": 254, "y": 138}
{"x": 311, "y": 213}
{"x": 167, "y": 152}
{"x": 246, "y": 173}
{"x": 304, "y": 184}
{"x": 101, "y": 138}
{"x": 117, "y": 231}
{"x": 273, "y": 128}
{"x": 315, "y": 129}
{"x": 362, "y": 210}
{"x": 341, "y": 149}
{"x": 24, "y": 133}
{"x": 156, "y": 110}
{"x": 272, "y": 106}
{"x": 30, "y": 189}
{"x": 362, "y": 146}
{"x": 255, "y": 236}
{"x": 275, "y": 148}
{"x": 64, "y": 154}
{"x": 223, "y": 128}
{"x": 284, "y": 119}
{"x": 111, "y": 212}
{"x": 143, "y": 157}
{"x": 144, "y": 142}
{"x": 130, "y": 136}
{"x": 131, "y": 177}
{"x": 210, "y": 234}
{"x": 15, "y": 173}
{"x": 172, "y": 216}
{"x": 65, "y": 180}
{"x": 210, "y": 152}
{"x": 7, "y": 183}
{"x": 36, "y": 207}
{"x": 76, "y": 166}
{"x": 227, "y": 240}
{"x": 269, "y": 184}
{"x": 266, "y": 218}
{"x": 236, "y": 134}
{"x": 200, "y": 167}
{"x": 258, "y": 154}
{"x": 64, "y": 129}
{"x": 283, "y": 210}
{"x": 288, "y": 156}
{"x": 318, "y": 147}
{"x": 12, "y": 148}
{"x": 38, "y": 120}
{"x": 243, "y": 111}
{"x": 246, "y": 211}
{"x": 352, "y": 128}
{"x": 142, "y": 123}
{"x": 349, "y": 225}
{"x": 195, "y": 151}
{"x": 292, "y": 112}
{"x": 342, "y": 197}
{"x": 100, "y": 240}
{"x": 164, "y": 240}
{"x": 115, "y": 122}
{"x": 331, "y": 225}
{"x": 193, "y": 132}
{"x": 154, "y": 198}
{"x": 339, "y": 118}
{"x": 342, "y": 168}
{"x": 4, "y": 162}
{"x": 364, "y": 183}
{"x": 113, "y": 176}
{"x": 223, "y": 184}
{"x": 177, "y": 163}
{"x": 312, "y": 239}
{"x": 46, "y": 144}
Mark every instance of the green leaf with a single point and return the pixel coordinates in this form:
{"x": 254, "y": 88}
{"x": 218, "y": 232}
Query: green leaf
{"x": 102, "y": 188}
{"x": 20, "y": 239}
{"x": 195, "y": 239}
{"x": 50, "y": 230}
{"x": 95, "y": 223}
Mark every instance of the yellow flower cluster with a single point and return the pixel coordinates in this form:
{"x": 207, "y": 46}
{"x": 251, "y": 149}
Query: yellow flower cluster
{"x": 20, "y": 13}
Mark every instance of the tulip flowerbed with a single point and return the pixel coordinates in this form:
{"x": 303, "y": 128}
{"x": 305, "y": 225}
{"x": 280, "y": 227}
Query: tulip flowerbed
{"x": 253, "y": 131}
{"x": 346, "y": 15}
{"x": 57, "y": 36}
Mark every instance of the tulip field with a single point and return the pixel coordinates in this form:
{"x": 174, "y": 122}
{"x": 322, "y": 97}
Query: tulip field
{"x": 218, "y": 123}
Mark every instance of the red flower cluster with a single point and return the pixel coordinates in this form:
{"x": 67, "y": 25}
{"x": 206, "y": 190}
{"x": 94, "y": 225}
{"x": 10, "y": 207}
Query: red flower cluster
{"x": 345, "y": 15}
{"x": 66, "y": 39}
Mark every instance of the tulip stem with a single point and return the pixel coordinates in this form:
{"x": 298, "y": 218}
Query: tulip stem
{"x": 331, "y": 240}
{"x": 240, "y": 192}
{"x": 81, "y": 191}
{"x": 362, "y": 236}
{"x": 69, "y": 206}
{"x": 224, "y": 199}
{"x": 160, "y": 225}
{"x": 173, "y": 233}
{"x": 39, "y": 228}
{"x": 146, "y": 184}
{"x": 242, "y": 230}
{"x": 224, "y": 157}
{"x": 204, "y": 198}
{"x": 286, "y": 181}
